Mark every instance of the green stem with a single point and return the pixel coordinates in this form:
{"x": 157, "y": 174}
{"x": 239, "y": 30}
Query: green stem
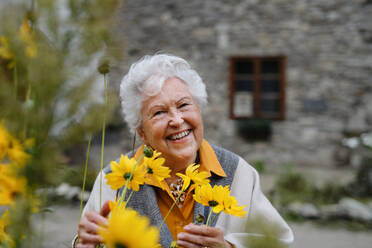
{"x": 209, "y": 216}
{"x": 134, "y": 143}
{"x": 122, "y": 197}
{"x": 25, "y": 123}
{"x": 214, "y": 217}
{"x": 103, "y": 142}
{"x": 85, "y": 174}
{"x": 170, "y": 210}
{"x": 130, "y": 196}
{"x": 15, "y": 78}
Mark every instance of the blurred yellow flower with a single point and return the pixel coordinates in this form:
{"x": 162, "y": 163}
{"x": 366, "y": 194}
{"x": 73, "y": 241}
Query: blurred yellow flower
{"x": 115, "y": 204}
{"x": 16, "y": 153}
{"x": 4, "y": 48}
{"x": 112, "y": 204}
{"x": 122, "y": 171}
{"x": 4, "y": 237}
{"x": 212, "y": 197}
{"x": 10, "y": 185}
{"x": 155, "y": 171}
{"x": 5, "y": 52}
{"x": 4, "y": 140}
{"x": 126, "y": 228}
{"x": 12, "y": 148}
{"x": 26, "y": 36}
{"x": 10, "y": 188}
{"x": 193, "y": 174}
{"x": 25, "y": 33}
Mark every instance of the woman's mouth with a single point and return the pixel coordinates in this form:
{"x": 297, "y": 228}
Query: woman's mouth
{"x": 179, "y": 136}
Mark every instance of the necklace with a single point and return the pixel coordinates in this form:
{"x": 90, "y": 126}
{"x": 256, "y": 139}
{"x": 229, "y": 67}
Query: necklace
{"x": 175, "y": 189}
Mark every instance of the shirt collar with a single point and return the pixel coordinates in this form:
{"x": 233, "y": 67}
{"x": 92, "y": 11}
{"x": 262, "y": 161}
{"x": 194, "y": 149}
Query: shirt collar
{"x": 209, "y": 161}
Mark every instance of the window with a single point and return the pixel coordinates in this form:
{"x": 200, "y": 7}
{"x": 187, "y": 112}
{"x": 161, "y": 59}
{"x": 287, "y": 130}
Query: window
{"x": 257, "y": 87}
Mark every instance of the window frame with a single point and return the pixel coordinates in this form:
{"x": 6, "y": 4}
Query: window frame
{"x": 257, "y": 76}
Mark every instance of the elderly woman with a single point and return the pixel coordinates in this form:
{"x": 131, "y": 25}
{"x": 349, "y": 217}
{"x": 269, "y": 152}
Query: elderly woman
{"x": 162, "y": 98}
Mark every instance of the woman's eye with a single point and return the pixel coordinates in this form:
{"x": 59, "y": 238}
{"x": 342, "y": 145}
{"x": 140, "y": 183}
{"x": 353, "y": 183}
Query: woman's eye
{"x": 159, "y": 112}
{"x": 184, "y": 105}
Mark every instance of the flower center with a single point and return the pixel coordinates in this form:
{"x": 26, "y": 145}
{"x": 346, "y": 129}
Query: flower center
{"x": 212, "y": 203}
{"x": 14, "y": 194}
{"x": 149, "y": 170}
{"x": 127, "y": 175}
{"x": 118, "y": 245}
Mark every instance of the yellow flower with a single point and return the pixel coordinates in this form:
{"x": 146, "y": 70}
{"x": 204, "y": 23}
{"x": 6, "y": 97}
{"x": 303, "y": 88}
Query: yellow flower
{"x": 193, "y": 174}
{"x": 4, "y": 221}
{"x": 16, "y": 153}
{"x": 10, "y": 188}
{"x": 212, "y": 197}
{"x": 115, "y": 204}
{"x": 155, "y": 172}
{"x": 10, "y": 185}
{"x": 4, "y": 237}
{"x": 122, "y": 171}
{"x": 4, "y": 140}
{"x": 112, "y": 204}
{"x": 5, "y": 52}
{"x": 25, "y": 33}
{"x": 219, "y": 199}
{"x": 128, "y": 229}
{"x": 12, "y": 148}
{"x": 232, "y": 208}
{"x": 4, "y": 49}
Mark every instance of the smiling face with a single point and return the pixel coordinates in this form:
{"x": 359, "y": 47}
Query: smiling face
{"x": 172, "y": 124}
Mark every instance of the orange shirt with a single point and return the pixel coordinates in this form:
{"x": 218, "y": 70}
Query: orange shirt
{"x": 180, "y": 217}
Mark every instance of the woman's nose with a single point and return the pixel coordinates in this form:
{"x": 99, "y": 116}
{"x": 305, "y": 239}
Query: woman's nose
{"x": 176, "y": 119}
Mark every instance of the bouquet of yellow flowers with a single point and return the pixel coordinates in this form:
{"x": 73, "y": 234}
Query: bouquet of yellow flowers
{"x": 131, "y": 174}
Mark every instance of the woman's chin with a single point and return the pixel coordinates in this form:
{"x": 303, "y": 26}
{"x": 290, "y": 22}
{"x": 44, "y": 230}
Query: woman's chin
{"x": 185, "y": 155}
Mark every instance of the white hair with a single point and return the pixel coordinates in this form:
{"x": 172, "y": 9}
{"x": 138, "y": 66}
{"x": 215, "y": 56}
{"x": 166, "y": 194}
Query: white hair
{"x": 146, "y": 78}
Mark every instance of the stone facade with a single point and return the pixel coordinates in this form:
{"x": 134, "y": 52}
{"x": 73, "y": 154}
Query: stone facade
{"x": 328, "y": 45}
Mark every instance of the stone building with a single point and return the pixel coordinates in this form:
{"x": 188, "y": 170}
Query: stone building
{"x": 327, "y": 51}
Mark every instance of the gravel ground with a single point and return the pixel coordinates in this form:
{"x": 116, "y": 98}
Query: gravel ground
{"x": 59, "y": 227}
{"x": 308, "y": 235}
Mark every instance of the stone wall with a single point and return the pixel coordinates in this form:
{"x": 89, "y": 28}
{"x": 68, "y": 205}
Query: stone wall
{"x": 328, "y": 45}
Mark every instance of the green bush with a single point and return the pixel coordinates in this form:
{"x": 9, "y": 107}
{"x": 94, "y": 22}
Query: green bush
{"x": 362, "y": 185}
{"x": 75, "y": 176}
{"x": 259, "y": 165}
{"x": 329, "y": 193}
{"x": 292, "y": 186}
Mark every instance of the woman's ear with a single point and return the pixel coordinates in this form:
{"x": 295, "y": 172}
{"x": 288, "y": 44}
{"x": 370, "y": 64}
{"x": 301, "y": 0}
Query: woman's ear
{"x": 141, "y": 134}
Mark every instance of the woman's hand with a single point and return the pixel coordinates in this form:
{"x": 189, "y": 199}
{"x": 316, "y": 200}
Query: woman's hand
{"x": 202, "y": 236}
{"x": 88, "y": 227}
